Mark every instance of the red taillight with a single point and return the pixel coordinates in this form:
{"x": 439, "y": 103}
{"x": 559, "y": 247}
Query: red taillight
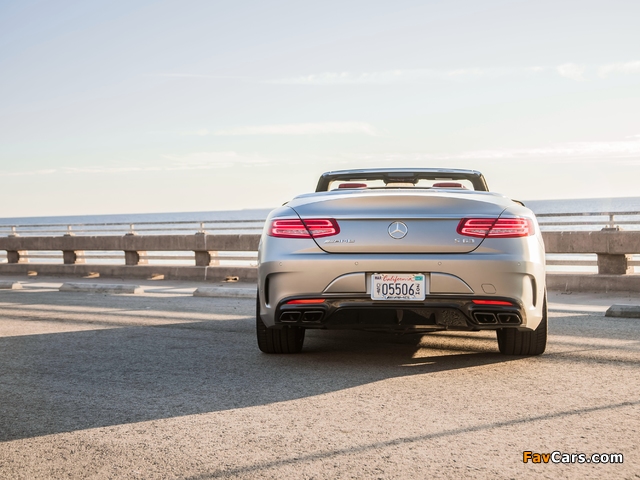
{"x": 288, "y": 229}
{"x": 492, "y": 302}
{"x": 496, "y": 227}
{"x": 306, "y": 301}
{"x": 311, "y": 227}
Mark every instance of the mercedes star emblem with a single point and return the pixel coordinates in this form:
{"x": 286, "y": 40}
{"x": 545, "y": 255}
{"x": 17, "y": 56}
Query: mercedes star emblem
{"x": 397, "y": 230}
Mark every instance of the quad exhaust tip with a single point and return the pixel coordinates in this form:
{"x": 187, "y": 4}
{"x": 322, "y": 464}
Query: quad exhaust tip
{"x": 509, "y": 318}
{"x": 312, "y": 316}
{"x": 294, "y": 316}
{"x": 486, "y": 318}
{"x": 290, "y": 316}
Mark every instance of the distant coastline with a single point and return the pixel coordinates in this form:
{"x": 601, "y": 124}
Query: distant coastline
{"x": 573, "y": 205}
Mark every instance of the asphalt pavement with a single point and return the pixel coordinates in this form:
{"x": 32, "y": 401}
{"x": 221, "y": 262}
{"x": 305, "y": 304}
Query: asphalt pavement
{"x": 163, "y": 384}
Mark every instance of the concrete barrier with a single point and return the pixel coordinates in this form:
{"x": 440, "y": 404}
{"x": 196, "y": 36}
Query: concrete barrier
{"x": 566, "y": 282}
{"x": 185, "y": 272}
{"x": 101, "y": 288}
{"x": 156, "y": 243}
{"x": 230, "y": 292}
{"x": 135, "y": 248}
{"x": 613, "y": 248}
{"x": 623, "y": 311}
{"x": 10, "y": 286}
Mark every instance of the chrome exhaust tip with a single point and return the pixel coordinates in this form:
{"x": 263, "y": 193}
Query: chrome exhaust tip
{"x": 509, "y": 318}
{"x": 312, "y": 316}
{"x": 290, "y": 316}
{"x": 485, "y": 317}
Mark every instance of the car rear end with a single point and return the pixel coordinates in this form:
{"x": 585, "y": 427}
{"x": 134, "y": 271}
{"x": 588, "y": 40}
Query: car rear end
{"x": 402, "y": 260}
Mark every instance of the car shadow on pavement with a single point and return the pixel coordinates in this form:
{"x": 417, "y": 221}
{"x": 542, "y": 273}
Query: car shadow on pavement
{"x": 75, "y": 380}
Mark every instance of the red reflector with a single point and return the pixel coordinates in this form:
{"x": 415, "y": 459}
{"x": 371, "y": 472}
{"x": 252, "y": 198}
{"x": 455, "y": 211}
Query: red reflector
{"x": 305, "y": 301}
{"x": 492, "y": 302}
{"x": 496, "y": 227}
{"x": 307, "y": 228}
{"x": 352, "y": 185}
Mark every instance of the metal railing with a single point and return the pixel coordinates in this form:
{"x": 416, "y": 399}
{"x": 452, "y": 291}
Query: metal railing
{"x": 115, "y": 228}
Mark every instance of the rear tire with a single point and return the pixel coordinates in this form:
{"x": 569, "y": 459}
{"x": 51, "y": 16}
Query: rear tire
{"x": 515, "y": 342}
{"x": 288, "y": 339}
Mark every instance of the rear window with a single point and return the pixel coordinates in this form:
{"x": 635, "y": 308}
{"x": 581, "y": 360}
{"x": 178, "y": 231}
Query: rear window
{"x": 444, "y": 183}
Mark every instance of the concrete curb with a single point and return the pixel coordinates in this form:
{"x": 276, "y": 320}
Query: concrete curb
{"x": 100, "y": 288}
{"x": 10, "y": 286}
{"x": 185, "y": 272}
{"x": 624, "y": 311}
{"x": 230, "y": 292}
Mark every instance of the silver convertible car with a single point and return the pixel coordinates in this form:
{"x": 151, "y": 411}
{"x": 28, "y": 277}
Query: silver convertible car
{"x": 406, "y": 251}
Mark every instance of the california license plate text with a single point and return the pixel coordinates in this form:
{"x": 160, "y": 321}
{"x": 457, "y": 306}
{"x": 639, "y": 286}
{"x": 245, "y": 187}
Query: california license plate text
{"x": 397, "y": 286}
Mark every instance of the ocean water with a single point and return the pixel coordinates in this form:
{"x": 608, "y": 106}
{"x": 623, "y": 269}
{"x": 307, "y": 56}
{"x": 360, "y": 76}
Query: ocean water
{"x": 195, "y": 217}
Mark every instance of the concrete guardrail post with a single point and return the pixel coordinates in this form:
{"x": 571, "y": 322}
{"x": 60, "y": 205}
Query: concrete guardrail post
{"x": 17, "y": 256}
{"x": 206, "y": 259}
{"x": 71, "y": 257}
{"x": 614, "y": 264}
{"x": 134, "y": 258}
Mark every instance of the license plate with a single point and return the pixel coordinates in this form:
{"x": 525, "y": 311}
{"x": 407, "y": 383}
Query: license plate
{"x": 398, "y": 286}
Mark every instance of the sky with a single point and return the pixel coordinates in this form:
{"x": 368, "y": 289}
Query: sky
{"x": 198, "y": 105}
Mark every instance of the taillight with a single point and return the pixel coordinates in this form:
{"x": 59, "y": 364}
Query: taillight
{"x": 496, "y": 227}
{"x": 311, "y": 227}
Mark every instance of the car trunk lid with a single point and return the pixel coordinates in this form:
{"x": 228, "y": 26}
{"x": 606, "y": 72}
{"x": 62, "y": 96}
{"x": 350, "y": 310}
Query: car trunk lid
{"x": 398, "y": 221}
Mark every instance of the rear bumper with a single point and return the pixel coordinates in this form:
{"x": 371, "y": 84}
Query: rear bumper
{"x": 283, "y": 275}
{"x": 434, "y": 313}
